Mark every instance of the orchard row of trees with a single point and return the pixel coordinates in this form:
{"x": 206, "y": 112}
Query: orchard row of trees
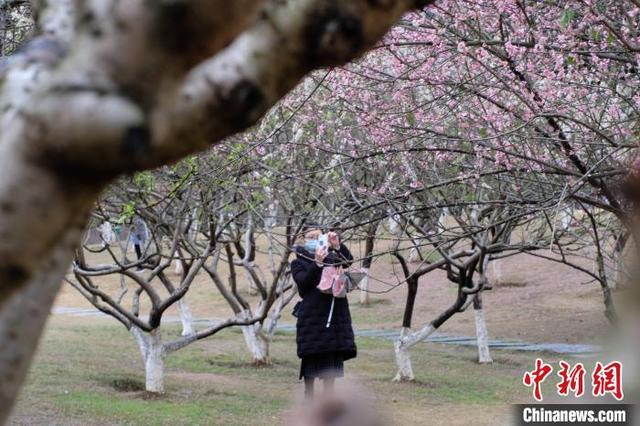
{"x": 463, "y": 138}
{"x": 213, "y": 221}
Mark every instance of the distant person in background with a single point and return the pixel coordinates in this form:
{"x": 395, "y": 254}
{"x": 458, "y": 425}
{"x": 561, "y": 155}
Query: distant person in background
{"x": 139, "y": 235}
{"x": 324, "y": 336}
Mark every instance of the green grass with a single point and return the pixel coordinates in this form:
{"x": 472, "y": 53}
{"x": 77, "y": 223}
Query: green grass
{"x": 370, "y": 315}
{"x": 89, "y": 371}
{"x": 136, "y": 411}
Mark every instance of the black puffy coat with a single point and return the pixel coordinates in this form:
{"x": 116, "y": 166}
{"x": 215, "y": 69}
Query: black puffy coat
{"x": 313, "y": 337}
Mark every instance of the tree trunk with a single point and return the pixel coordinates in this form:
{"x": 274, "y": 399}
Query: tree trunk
{"x": 496, "y": 265}
{"x": 406, "y": 340}
{"x": 414, "y": 255}
{"x": 186, "y": 318}
{"x": 366, "y": 263}
{"x": 393, "y": 223}
{"x": 622, "y": 258}
{"x": 153, "y": 354}
{"x": 482, "y": 334}
{"x": 403, "y": 358}
{"x": 609, "y": 306}
{"x": 412, "y": 292}
{"x": 256, "y": 343}
{"x": 364, "y": 288}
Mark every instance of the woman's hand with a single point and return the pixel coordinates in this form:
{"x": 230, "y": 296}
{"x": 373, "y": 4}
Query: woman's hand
{"x": 334, "y": 240}
{"x": 321, "y": 253}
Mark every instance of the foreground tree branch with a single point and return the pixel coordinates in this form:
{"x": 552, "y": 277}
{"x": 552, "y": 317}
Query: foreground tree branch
{"x": 133, "y": 85}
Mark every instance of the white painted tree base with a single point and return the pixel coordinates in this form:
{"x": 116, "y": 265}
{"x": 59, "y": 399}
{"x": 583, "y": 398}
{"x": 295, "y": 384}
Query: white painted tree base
{"x": 186, "y": 318}
{"x": 257, "y": 344}
{"x": 406, "y": 340}
{"x": 152, "y": 351}
{"x": 496, "y": 265}
{"x": 364, "y": 288}
{"x": 414, "y": 256}
{"x": 482, "y": 336}
{"x": 403, "y": 361}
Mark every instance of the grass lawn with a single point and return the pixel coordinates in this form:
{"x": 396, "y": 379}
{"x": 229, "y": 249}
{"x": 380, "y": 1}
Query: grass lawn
{"x": 88, "y": 371}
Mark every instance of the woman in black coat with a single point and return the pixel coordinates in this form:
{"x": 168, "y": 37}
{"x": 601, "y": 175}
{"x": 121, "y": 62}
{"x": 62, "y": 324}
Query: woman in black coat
{"x": 324, "y": 337}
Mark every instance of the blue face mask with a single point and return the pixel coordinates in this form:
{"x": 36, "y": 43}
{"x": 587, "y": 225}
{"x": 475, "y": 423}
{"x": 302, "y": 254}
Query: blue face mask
{"x": 311, "y": 245}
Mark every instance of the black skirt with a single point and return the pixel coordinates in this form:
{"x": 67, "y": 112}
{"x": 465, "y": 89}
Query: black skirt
{"x": 322, "y": 366}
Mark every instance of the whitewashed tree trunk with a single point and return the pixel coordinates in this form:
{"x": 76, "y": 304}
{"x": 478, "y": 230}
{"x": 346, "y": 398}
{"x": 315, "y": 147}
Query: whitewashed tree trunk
{"x": 566, "y": 217}
{"x": 364, "y": 288}
{"x": 496, "y": 265}
{"x": 442, "y": 220}
{"x": 256, "y": 343}
{"x": 107, "y": 233}
{"x": 406, "y": 340}
{"x": 154, "y": 365}
{"x": 153, "y": 353}
{"x": 271, "y": 322}
{"x": 403, "y": 358}
{"x": 195, "y": 226}
{"x": 414, "y": 254}
{"x": 482, "y": 334}
{"x": 394, "y": 225}
{"x": 619, "y": 272}
{"x": 186, "y": 318}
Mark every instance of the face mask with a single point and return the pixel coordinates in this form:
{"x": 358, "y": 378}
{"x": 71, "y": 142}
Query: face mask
{"x": 311, "y": 245}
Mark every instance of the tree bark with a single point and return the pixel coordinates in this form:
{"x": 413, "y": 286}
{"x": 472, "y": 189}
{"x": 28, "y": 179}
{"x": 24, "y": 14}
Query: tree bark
{"x": 496, "y": 265}
{"x": 403, "y": 358}
{"x": 256, "y": 343}
{"x": 153, "y": 354}
{"x": 366, "y": 264}
{"x": 406, "y": 340}
{"x": 186, "y": 318}
{"x": 482, "y": 334}
{"x": 258, "y": 346}
{"x": 365, "y": 298}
